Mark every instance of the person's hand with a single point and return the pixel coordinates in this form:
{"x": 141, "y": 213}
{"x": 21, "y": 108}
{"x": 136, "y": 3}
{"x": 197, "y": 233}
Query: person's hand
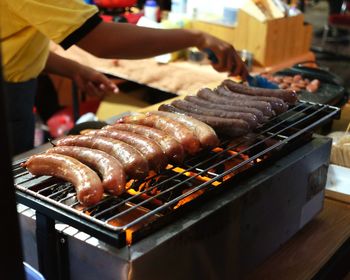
{"x": 93, "y": 82}
{"x": 228, "y": 59}
{"x": 86, "y": 78}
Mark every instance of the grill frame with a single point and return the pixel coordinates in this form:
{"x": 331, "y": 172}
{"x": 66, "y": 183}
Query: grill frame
{"x": 116, "y": 236}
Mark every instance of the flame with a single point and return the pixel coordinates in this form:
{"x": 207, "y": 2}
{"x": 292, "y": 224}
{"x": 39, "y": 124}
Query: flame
{"x": 131, "y": 216}
{"x": 188, "y": 198}
{"x": 128, "y": 232}
{"x": 137, "y": 187}
{"x": 144, "y": 196}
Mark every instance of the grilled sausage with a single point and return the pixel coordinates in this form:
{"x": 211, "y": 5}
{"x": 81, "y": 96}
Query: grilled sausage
{"x": 86, "y": 182}
{"x": 194, "y": 108}
{"x": 277, "y": 104}
{"x": 205, "y": 134}
{"x": 134, "y": 164}
{"x": 222, "y": 107}
{"x": 110, "y": 169}
{"x": 180, "y": 132}
{"x": 172, "y": 148}
{"x": 148, "y": 148}
{"x": 286, "y": 95}
{"x": 209, "y": 95}
{"x": 231, "y": 127}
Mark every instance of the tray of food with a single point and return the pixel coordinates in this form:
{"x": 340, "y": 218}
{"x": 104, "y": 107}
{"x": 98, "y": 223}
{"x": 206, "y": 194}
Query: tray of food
{"x": 312, "y": 84}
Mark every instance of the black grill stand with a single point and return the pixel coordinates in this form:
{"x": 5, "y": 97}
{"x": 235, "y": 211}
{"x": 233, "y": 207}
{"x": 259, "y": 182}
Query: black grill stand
{"x": 52, "y": 249}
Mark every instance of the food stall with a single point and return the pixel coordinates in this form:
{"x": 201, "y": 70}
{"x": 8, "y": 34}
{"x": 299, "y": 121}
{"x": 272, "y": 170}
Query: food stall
{"x": 242, "y": 200}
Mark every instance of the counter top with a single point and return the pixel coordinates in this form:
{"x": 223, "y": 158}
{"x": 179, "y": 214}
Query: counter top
{"x": 315, "y": 249}
{"x": 179, "y": 77}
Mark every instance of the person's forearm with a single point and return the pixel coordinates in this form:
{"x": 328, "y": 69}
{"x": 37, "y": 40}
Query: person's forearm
{"x": 121, "y": 40}
{"x": 59, "y": 65}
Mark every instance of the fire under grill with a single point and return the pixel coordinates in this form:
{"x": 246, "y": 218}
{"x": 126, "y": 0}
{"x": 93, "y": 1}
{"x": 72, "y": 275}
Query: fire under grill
{"x": 148, "y": 204}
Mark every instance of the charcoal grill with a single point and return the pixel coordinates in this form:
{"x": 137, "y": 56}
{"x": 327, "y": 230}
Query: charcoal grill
{"x": 162, "y": 199}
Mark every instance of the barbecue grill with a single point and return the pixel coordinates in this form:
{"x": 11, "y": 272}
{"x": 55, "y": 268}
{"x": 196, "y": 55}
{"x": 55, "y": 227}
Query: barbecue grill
{"x": 224, "y": 210}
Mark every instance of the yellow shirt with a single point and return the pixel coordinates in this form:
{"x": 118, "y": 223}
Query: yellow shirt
{"x": 28, "y": 25}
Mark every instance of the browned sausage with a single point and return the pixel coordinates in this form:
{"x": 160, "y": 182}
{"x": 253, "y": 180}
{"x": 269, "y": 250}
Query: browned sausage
{"x": 194, "y": 108}
{"x": 232, "y": 127}
{"x": 206, "y": 135}
{"x": 209, "y": 95}
{"x": 148, "y": 148}
{"x": 288, "y": 96}
{"x": 277, "y": 104}
{"x": 110, "y": 169}
{"x": 86, "y": 182}
{"x": 311, "y": 87}
{"x": 134, "y": 164}
{"x": 229, "y": 108}
{"x": 172, "y": 148}
{"x": 180, "y": 132}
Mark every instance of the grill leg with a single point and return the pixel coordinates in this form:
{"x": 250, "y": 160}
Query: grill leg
{"x": 52, "y": 249}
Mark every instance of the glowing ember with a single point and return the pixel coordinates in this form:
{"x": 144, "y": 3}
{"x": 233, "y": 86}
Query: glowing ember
{"x": 189, "y": 198}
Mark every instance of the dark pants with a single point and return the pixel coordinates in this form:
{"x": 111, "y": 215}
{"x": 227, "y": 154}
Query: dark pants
{"x": 20, "y": 102}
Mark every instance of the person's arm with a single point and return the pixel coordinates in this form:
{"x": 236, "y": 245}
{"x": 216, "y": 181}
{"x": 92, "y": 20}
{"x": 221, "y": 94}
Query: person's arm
{"x": 86, "y": 78}
{"x": 122, "y": 40}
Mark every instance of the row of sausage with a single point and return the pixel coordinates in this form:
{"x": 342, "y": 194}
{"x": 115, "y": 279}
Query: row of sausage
{"x": 233, "y": 109}
{"x": 103, "y": 160}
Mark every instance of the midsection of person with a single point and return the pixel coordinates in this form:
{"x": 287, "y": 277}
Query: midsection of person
{"x": 25, "y": 35}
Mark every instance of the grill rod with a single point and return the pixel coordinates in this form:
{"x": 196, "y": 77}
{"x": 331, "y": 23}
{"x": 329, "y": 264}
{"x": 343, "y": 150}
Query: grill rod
{"x": 80, "y": 213}
{"x": 193, "y": 168}
{"x": 218, "y": 177}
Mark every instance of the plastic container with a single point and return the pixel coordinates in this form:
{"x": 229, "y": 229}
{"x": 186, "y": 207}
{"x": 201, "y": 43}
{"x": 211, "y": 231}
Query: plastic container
{"x": 151, "y": 10}
{"x": 178, "y": 6}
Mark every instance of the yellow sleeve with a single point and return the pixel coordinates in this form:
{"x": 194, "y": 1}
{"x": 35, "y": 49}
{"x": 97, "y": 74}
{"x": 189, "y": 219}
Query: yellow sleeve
{"x": 56, "y": 19}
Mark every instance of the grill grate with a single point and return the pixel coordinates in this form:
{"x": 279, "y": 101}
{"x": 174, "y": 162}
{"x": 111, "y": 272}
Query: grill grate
{"x": 116, "y": 219}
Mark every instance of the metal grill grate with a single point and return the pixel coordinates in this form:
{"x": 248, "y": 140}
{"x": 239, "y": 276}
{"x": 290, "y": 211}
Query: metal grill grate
{"x": 158, "y": 196}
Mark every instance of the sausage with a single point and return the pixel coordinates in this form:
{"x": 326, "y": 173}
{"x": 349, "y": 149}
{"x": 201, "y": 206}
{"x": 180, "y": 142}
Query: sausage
{"x": 194, "y": 108}
{"x": 231, "y": 127}
{"x": 180, "y": 132}
{"x": 222, "y": 107}
{"x": 277, "y": 104}
{"x": 286, "y": 95}
{"x": 170, "y": 147}
{"x": 148, "y": 148}
{"x": 205, "y": 134}
{"x": 86, "y": 182}
{"x": 313, "y": 85}
{"x": 109, "y": 168}
{"x": 134, "y": 164}
{"x": 209, "y": 95}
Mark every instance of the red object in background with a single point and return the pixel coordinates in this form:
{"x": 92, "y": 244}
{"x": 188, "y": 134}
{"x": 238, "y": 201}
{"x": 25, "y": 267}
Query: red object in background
{"x": 107, "y": 18}
{"x": 115, "y": 3}
{"x": 63, "y": 121}
{"x": 340, "y": 19}
{"x": 60, "y": 123}
{"x": 132, "y": 18}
